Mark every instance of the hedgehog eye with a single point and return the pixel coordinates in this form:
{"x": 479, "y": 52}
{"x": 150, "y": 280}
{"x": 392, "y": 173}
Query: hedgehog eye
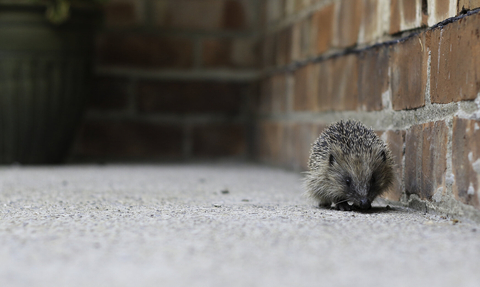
{"x": 331, "y": 159}
{"x": 384, "y": 156}
{"x": 348, "y": 181}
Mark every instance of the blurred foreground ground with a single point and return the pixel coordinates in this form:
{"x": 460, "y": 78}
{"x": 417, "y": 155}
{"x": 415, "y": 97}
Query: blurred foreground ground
{"x": 213, "y": 225}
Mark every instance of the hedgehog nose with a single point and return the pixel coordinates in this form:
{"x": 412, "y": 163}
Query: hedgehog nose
{"x": 365, "y": 204}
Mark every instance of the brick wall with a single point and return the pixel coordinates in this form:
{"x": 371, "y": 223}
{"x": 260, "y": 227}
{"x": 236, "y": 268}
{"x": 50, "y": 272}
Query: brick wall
{"x": 408, "y": 68}
{"x": 188, "y": 79}
{"x": 173, "y": 81}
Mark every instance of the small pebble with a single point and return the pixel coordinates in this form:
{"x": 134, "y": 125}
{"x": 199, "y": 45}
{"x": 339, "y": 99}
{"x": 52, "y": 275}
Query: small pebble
{"x": 455, "y": 221}
{"x": 245, "y": 200}
{"x": 225, "y": 191}
{"x": 217, "y": 205}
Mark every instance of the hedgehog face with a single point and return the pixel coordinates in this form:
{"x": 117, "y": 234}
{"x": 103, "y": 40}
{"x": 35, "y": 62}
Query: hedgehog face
{"x": 361, "y": 176}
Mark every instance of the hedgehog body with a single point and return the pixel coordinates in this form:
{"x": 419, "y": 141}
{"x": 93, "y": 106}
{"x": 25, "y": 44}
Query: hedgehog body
{"x": 348, "y": 163}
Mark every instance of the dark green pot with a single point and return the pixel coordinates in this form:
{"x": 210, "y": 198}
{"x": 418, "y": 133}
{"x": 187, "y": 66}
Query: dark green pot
{"x": 45, "y": 72}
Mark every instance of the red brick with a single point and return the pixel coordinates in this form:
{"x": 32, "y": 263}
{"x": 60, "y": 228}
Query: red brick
{"x": 306, "y": 88}
{"x": 301, "y": 4}
{"x": 324, "y": 97}
{"x": 279, "y": 93}
{"x": 274, "y": 10}
{"x": 425, "y": 159}
{"x": 347, "y": 23}
{"x": 266, "y": 96}
{"x": 321, "y": 31}
{"x": 189, "y": 97}
{"x": 272, "y": 142}
{"x": 467, "y": 5}
{"x": 219, "y": 140}
{"x": 439, "y": 10}
{"x": 302, "y": 137}
{"x": 144, "y": 51}
{"x": 124, "y": 13}
{"x": 344, "y": 82}
{"x": 217, "y": 53}
{"x": 455, "y": 65}
{"x": 466, "y": 160}
{"x": 409, "y": 61}
{"x": 407, "y": 20}
{"x": 301, "y": 39}
{"x": 245, "y": 53}
{"x": 235, "y": 14}
{"x": 203, "y": 15}
{"x": 130, "y": 139}
{"x": 269, "y": 50}
{"x": 109, "y": 94}
{"x": 369, "y": 26}
{"x": 296, "y": 41}
{"x": 395, "y": 141}
{"x": 373, "y": 78}
{"x": 283, "y": 47}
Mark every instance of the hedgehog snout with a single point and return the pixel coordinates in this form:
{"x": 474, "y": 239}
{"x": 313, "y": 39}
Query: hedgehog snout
{"x": 365, "y": 204}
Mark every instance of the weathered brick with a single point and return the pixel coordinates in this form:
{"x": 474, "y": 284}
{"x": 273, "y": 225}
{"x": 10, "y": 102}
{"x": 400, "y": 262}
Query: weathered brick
{"x": 237, "y": 14}
{"x": 373, "y": 78}
{"x": 136, "y": 50}
{"x": 467, "y": 5}
{"x": 130, "y": 139}
{"x": 425, "y": 159}
{"x": 324, "y": 97}
{"x": 321, "y": 30}
{"x": 439, "y": 10}
{"x": 395, "y": 141}
{"x": 274, "y": 10}
{"x": 370, "y": 28}
{"x": 269, "y": 50}
{"x": 271, "y": 144}
{"x": 289, "y": 7}
{"x": 306, "y": 88}
{"x": 344, "y": 82}
{"x": 466, "y": 160}
{"x": 109, "y": 94}
{"x": 455, "y": 64}
{"x": 219, "y": 140}
{"x": 124, "y": 13}
{"x": 203, "y": 15}
{"x": 347, "y": 23}
{"x": 266, "y": 96}
{"x": 279, "y": 93}
{"x": 303, "y": 135}
{"x": 296, "y": 42}
{"x": 217, "y": 53}
{"x": 405, "y": 15}
{"x": 245, "y": 53}
{"x": 409, "y": 63}
{"x": 190, "y": 97}
{"x": 283, "y": 47}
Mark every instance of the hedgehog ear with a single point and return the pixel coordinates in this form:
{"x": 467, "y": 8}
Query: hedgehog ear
{"x": 384, "y": 156}
{"x": 331, "y": 159}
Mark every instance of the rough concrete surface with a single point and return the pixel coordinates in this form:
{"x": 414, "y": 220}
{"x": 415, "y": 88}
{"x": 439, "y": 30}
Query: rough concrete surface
{"x": 213, "y": 225}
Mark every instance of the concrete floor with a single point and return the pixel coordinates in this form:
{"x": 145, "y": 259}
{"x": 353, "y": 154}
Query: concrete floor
{"x": 213, "y": 225}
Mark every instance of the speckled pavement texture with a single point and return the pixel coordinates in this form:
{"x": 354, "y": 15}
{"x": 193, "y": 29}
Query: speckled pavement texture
{"x": 213, "y": 225}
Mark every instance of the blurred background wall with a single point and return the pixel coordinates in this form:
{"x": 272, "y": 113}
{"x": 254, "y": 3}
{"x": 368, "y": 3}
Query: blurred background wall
{"x": 174, "y": 79}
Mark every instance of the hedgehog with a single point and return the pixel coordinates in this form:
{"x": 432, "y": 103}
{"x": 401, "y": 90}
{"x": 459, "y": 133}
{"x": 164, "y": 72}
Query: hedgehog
{"x": 348, "y": 163}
